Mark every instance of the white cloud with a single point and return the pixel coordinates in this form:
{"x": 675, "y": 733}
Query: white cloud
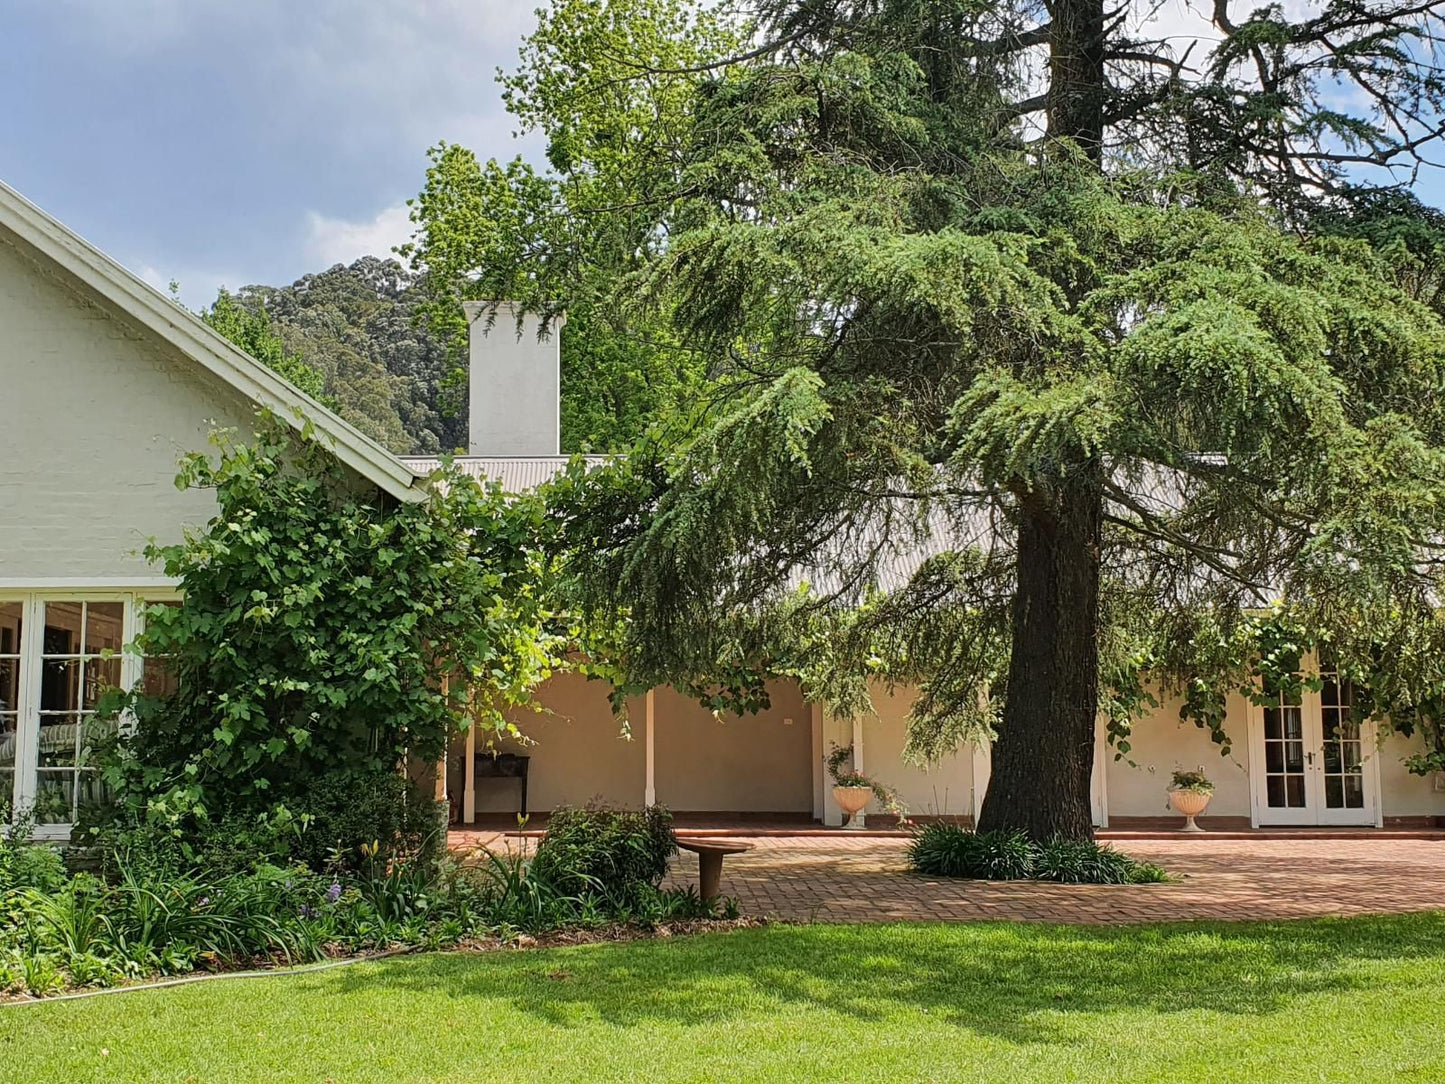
{"x": 335, "y": 240}
{"x": 198, "y": 286}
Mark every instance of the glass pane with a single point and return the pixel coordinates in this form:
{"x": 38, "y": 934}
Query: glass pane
{"x": 1330, "y": 720}
{"x": 1273, "y": 757}
{"x": 94, "y": 730}
{"x": 103, "y": 626}
{"x": 1350, "y": 730}
{"x": 1334, "y": 792}
{"x": 1293, "y": 725}
{"x": 55, "y": 798}
{"x": 1272, "y": 729}
{"x": 1354, "y": 792}
{"x": 10, "y": 628}
{"x": 1351, "y": 756}
{"x": 1330, "y": 693}
{"x": 59, "y": 738}
{"x": 9, "y": 726}
{"x": 1332, "y": 757}
{"x": 1294, "y": 756}
{"x": 7, "y": 789}
{"x": 1274, "y": 787}
{"x": 9, "y": 684}
{"x": 60, "y": 685}
{"x": 1295, "y": 788}
{"x": 62, "y": 627}
{"x": 100, "y": 675}
{"x": 91, "y": 795}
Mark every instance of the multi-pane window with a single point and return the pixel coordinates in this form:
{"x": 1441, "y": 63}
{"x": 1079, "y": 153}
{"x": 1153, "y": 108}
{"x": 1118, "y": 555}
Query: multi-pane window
{"x": 12, "y": 616}
{"x": 1284, "y": 748}
{"x": 1315, "y": 749}
{"x": 59, "y": 656}
{"x": 80, "y": 661}
{"x": 1343, "y": 759}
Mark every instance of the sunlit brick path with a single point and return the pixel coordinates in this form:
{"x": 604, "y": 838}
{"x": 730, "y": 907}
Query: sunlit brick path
{"x": 834, "y": 878}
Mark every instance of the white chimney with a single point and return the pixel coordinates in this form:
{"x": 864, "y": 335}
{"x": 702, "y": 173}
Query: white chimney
{"x": 516, "y": 382}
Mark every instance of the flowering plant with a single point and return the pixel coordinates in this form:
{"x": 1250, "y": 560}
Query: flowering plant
{"x": 838, "y": 756}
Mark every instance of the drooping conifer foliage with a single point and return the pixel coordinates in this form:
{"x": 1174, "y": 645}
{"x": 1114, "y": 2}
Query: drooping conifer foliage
{"x": 1036, "y": 343}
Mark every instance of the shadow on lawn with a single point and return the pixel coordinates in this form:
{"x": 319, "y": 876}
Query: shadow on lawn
{"x": 1015, "y": 982}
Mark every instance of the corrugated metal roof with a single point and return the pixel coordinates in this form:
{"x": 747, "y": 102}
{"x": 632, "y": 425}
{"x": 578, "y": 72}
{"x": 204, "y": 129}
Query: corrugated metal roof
{"x": 518, "y": 474}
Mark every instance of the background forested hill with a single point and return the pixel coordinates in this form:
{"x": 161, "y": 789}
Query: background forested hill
{"x": 362, "y": 339}
{"x": 379, "y": 368}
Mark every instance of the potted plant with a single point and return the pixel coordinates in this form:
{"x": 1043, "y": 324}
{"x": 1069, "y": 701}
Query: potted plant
{"x": 853, "y": 790}
{"x": 1189, "y": 794}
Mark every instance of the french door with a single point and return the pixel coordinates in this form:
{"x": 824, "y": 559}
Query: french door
{"x": 1312, "y": 763}
{"x": 59, "y": 654}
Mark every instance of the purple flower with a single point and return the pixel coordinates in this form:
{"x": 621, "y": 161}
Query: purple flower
{"x": 306, "y": 912}
{"x": 333, "y": 893}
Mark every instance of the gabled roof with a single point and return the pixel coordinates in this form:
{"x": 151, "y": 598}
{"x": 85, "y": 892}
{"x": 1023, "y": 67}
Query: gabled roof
{"x": 184, "y": 331}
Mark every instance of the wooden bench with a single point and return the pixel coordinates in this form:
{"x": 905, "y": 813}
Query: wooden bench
{"x": 710, "y": 854}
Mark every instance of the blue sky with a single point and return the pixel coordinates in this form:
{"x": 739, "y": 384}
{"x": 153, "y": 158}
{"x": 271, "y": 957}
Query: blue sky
{"x": 227, "y": 143}
{"x": 232, "y": 143}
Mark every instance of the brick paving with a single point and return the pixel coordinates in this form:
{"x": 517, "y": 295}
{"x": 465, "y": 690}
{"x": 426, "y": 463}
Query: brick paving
{"x": 835, "y": 878}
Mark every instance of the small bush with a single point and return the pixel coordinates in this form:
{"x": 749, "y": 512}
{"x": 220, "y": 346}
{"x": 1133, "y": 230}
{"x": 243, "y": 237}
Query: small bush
{"x": 343, "y": 812}
{"x": 333, "y": 826}
{"x": 32, "y": 865}
{"x": 607, "y": 853}
{"x": 1082, "y": 862}
{"x": 946, "y": 850}
{"x": 1148, "y": 873}
{"x": 24, "y": 864}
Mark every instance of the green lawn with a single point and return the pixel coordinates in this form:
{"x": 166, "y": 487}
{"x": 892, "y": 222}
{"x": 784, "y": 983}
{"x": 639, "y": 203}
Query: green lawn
{"x": 1356, "y": 1000}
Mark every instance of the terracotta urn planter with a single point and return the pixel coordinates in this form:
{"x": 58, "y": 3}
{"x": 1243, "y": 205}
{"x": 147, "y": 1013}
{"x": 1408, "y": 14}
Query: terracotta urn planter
{"x": 852, "y": 800}
{"x": 1189, "y": 804}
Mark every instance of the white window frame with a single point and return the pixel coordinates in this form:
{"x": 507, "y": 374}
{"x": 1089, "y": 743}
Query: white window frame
{"x": 1314, "y": 814}
{"x": 32, "y": 644}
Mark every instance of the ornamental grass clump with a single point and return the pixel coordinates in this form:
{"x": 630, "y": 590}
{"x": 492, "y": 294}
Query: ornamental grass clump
{"x": 948, "y": 850}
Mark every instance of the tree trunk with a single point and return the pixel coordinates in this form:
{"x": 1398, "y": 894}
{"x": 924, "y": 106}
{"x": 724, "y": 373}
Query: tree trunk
{"x": 1043, "y": 758}
{"x": 1075, "y": 98}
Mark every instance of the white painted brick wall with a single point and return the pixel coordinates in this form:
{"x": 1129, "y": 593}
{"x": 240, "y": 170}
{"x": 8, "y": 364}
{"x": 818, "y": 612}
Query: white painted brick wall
{"x": 93, "y": 416}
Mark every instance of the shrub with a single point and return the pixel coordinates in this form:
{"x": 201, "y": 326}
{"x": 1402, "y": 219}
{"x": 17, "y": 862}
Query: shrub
{"x": 24, "y": 864}
{"x": 317, "y": 627}
{"x": 342, "y": 812}
{"x": 1083, "y": 862}
{"x": 947, "y": 850}
{"x": 324, "y": 829}
{"x": 607, "y": 853}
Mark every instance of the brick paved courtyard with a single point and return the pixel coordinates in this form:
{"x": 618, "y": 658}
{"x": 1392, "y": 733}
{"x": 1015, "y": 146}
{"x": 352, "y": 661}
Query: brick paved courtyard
{"x": 834, "y": 878}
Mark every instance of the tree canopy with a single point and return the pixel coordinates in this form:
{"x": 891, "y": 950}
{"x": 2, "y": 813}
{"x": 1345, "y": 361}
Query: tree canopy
{"x": 558, "y": 239}
{"x": 250, "y": 329}
{"x": 325, "y": 632}
{"x": 1042, "y": 355}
